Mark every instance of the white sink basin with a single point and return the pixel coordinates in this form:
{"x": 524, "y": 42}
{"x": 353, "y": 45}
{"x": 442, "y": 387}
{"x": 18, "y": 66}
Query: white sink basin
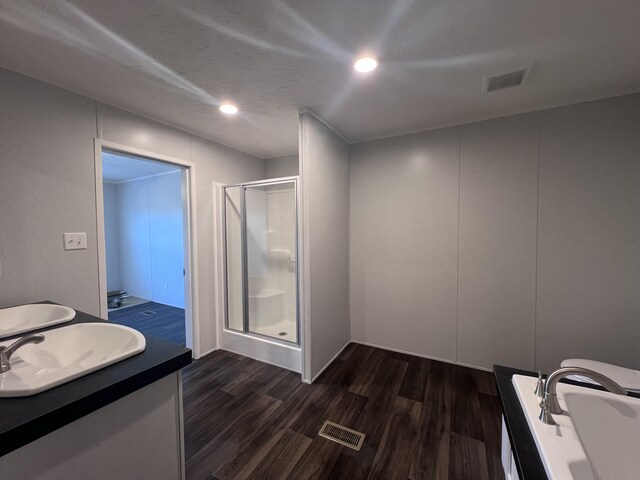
{"x": 596, "y": 438}
{"x": 25, "y": 318}
{"x": 66, "y": 354}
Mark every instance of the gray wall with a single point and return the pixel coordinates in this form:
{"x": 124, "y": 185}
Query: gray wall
{"x": 134, "y": 238}
{"x": 404, "y": 236}
{"x": 111, "y": 236}
{"x": 325, "y": 203}
{"x": 166, "y": 226}
{"x": 510, "y": 241}
{"x": 497, "y": 248}
{"x": 588, "y": 302}
{"x": 47, "y": 187}
{"x": 282, "y": 166}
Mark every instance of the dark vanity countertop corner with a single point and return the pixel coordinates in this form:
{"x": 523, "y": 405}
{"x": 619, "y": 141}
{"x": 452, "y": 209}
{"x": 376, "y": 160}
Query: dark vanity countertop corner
{"x": 523, "y": 445}
{"x": 25, "y": 419}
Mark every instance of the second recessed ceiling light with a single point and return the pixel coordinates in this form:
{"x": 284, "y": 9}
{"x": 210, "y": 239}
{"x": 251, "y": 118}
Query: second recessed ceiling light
{"x": 365, "y": 64}
{"x": 228, "y": 108}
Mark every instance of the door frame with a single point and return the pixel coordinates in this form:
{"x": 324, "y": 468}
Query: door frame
{"x": 192, "y": 325}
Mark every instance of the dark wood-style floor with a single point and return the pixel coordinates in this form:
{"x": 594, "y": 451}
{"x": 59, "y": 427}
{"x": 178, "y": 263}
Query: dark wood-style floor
{"x": 423, "y": 419}
{"x": 154, "y": 319}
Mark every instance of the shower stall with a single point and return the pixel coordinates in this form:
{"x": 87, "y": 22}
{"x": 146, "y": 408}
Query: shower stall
{"x": 260, "y": 233}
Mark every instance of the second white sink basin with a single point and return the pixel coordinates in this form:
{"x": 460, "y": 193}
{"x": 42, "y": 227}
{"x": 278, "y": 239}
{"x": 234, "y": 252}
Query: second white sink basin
{"x": 25, "y": 318}
{"x": 595, "y": 438}
{"x": 66, "y": 354}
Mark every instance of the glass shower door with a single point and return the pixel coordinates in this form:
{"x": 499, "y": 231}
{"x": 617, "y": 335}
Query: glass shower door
{"x": 261, "y": 247}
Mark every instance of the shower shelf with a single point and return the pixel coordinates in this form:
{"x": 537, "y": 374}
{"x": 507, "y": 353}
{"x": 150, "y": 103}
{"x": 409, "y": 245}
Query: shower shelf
{"x": 267, "y": 293}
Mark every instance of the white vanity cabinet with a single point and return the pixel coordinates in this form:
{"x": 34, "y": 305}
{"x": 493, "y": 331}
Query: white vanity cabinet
{"x": 137, "y": 437}
{"x": 508, "y": 462}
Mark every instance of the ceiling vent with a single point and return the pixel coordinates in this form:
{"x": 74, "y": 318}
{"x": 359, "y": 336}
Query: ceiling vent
{"x": 505, "y": 80}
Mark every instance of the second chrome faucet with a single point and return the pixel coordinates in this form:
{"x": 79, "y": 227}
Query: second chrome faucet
{"x": 6, "y": 352}
{"x": 549, "y": 404}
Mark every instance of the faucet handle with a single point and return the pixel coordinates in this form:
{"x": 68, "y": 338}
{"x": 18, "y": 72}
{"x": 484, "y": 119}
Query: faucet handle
{"x": 539, "y": 391}
{"x": 545, "y": 412}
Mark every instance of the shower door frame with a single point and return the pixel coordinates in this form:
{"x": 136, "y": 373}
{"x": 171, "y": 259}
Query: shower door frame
{"x": 244, "y": 258}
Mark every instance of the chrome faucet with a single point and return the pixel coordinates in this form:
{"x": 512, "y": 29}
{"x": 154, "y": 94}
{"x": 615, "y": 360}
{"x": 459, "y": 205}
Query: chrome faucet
{"x": 6, "y": 352}
{"x": 550, "y": 403}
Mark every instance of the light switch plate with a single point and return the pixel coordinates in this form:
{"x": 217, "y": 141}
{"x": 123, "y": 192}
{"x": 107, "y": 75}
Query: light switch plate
{"x": 75, "y": 241}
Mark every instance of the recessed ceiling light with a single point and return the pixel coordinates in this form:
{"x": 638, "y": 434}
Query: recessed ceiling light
{"x": 228, "y": 108}
{"x": 365, "y": 64}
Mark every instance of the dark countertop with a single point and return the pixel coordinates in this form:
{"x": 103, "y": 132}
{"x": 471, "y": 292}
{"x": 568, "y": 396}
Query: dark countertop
{"x": 525, "y": 452}
{"x": 25, "y": 419}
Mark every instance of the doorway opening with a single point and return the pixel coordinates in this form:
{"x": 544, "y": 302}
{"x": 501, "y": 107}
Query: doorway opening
{"x": 145, "y": 255}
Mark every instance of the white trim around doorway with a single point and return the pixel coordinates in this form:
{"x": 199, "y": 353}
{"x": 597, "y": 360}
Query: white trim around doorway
{"x": 190, "y": 235}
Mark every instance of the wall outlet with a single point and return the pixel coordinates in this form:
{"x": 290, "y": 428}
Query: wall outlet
{"x": 75, "y": 241}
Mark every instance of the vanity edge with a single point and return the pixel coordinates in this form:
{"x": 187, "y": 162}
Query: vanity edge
{"x": 25, "y": 419}
{"x": 523, "y": 446}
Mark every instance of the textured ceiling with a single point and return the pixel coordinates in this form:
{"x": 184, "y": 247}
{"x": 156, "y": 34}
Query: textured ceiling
{"x": 176, "y": 60}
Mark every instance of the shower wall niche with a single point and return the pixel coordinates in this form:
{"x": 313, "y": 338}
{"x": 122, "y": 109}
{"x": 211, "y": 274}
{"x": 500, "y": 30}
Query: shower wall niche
{"x": 261, "y": 267}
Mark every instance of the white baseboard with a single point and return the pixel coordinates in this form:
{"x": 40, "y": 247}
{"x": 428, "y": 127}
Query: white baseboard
{"x": 328, "y": 363}
{"x": 368, "y": 344}
{"x": 421, "y": 355}
{"x": 206, "y": 353}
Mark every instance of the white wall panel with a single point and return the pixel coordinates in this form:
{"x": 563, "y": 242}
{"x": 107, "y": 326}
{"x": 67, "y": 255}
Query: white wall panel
{"x": 134, "y": 238}
{"x": 540, "y": 279}
{"x": 167, "y": 239}
{"x": 111, "y": 239}
{"x": 497, "y": 269}
{"x": 404, "y": 243}
{"x": 325, "y": 190}
{"x": 125, "y": 128}
{"x": 282, "y": 166}
{"x": 47, "y": 187}
{"x": 589, "y": 233}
